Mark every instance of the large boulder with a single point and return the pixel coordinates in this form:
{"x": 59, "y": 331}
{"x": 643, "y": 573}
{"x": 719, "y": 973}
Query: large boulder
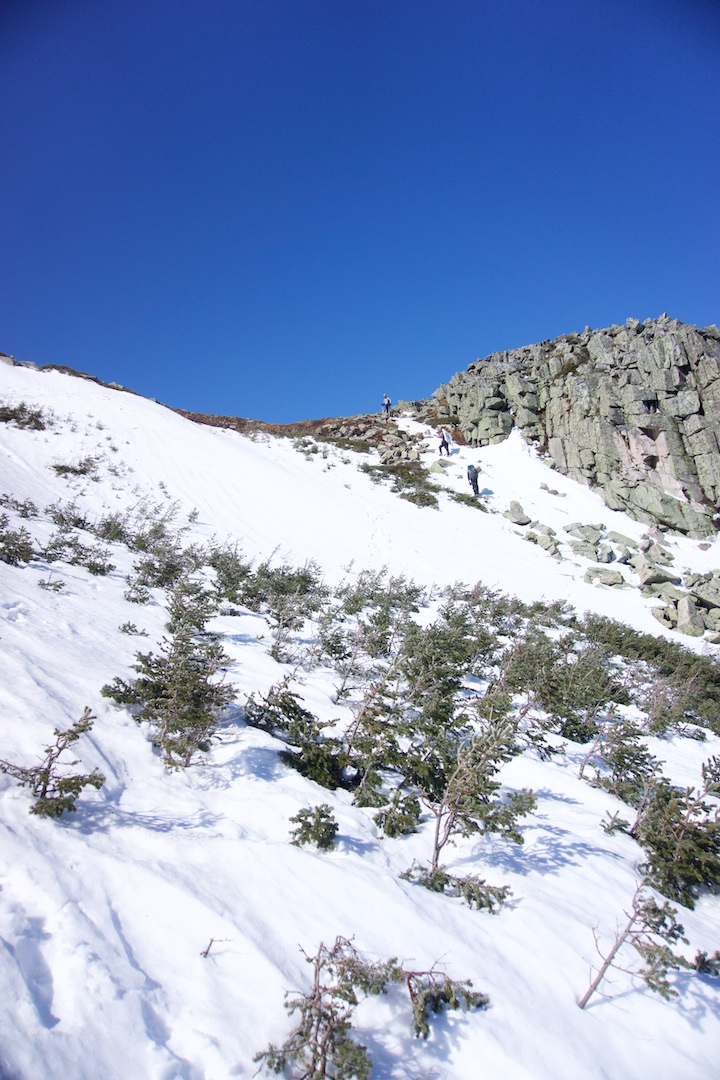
{"x": 516, "y": 514}
{"x": 689, "y": 619}
{"x": 599, "y": 574}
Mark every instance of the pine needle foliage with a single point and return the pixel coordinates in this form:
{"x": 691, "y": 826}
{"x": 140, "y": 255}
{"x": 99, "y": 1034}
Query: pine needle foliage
{"x": 434, "y": 660}
{"x": 365, "y": 624}
{"x": 474, "y": 890}
{"x": 179, "y": 691}
{"x": 113, "y": 529}
{"x": 166, "y": 563}
{"x": 26, "y": 508}
{"x": 375, "y": 742}
{"x": 66, "y": 546}
{"x": 400, "y": 817}
{"x": 651, "y": 929}
{"x": 310, "y": 750}
{"x": 54, "y": 789}
{"x": 432, "y": 992}
{"x": 374, "y": 588}
{"x": 408, "y": 479}
{"x": 679, "y": 829}
{"x": 622, "y": 762}
{"x": 321, "y": 1045}
{"x": 287, "y": 596}
{"x": 668, "y": 704}
{"x": 231, "y": 572}
{"x": 315, "y": 825}
{"x": 87, "y": 466}
{"x": 670, "y": 660}
{"x": 457, "y": 782}
{"x": 67, "y": 515}
{"x": 707, "y": 965}
{"x": 15, "y": 544}
{"x": 571, "y": 679}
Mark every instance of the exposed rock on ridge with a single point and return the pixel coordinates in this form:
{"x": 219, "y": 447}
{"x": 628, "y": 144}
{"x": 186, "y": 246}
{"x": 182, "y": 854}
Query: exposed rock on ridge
{"x": 633, "y": 410}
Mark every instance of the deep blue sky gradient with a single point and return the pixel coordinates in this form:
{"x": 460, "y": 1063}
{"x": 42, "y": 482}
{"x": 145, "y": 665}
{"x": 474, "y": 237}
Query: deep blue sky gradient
{"x": 283, "y": 208}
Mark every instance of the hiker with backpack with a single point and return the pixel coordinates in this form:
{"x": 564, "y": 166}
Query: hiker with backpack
{"x": 472, "y": 475}
{"x": 386, "y": 405}
{"x": 444, "y": 443}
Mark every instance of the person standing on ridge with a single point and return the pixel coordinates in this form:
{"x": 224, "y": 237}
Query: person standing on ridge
{"x": 387, "y": 403}
{"x": 444, "y": 443}
{"x": 472, "y": 475}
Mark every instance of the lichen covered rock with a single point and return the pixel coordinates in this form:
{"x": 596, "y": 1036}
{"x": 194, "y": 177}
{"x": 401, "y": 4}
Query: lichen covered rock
{"x": 632, "y": 410}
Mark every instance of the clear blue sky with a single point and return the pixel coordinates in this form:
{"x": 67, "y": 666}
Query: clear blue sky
{"x": 283, "y": 208}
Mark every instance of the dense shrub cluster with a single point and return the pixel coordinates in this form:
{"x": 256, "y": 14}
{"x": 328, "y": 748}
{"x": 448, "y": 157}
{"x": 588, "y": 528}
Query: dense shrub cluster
{"x": 24, "y": 416}
{"x": 408, "y": 479}
{"x": 437, "y": 711}
{"x": 87, "y": 466}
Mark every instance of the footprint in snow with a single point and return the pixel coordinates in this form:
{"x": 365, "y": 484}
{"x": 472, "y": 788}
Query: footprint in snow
{"x": 14, "y": 611}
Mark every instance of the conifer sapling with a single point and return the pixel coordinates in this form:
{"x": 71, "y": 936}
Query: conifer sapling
{"x": 56, "y": 791}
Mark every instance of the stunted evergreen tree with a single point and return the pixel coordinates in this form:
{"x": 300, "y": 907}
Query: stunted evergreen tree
{"x": 231, "y": 572}
{"x": 54, "y": 789}
{"x": 15, "y": 544}
{"x": 571, "y": 679}
{"x": 287, "y": 595}
{"x": 374, "y": 740}
{"x": 623, "y": 764}
{"x": 406, "y": 708}
{"x": 313, "y": 753}
{"x": 179, "y": 691}
{"x": 314, "y": 825}
{"x": 462, "y": 791}
{"x": 413, "y": 749}
{"x": 455, "y": 776}
{"x": 653, "y": 931}
{"x": 679, "y": 828}
{"x": 321, "y": 1046}
{"x": 434, "y": 660}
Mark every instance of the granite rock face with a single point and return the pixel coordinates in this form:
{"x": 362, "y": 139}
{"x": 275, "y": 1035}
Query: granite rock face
{"x": 632, "y": 410}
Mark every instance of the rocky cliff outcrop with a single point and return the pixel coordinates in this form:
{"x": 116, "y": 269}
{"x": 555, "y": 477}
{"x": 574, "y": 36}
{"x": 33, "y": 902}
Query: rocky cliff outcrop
{"x": 633, "y": 410}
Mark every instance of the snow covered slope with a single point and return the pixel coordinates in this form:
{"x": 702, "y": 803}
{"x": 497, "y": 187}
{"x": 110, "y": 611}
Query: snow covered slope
{"x": 105, "y": 914}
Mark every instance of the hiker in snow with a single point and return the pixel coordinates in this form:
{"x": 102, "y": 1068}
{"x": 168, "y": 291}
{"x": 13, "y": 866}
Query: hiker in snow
{"x": 444, "y": 443}
{"x": 472, "y": 475}
{"x": 386, "y": 404}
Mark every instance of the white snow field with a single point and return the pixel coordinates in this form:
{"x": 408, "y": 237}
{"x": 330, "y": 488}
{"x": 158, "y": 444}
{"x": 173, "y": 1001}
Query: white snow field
{"x": 105, "y": 913}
